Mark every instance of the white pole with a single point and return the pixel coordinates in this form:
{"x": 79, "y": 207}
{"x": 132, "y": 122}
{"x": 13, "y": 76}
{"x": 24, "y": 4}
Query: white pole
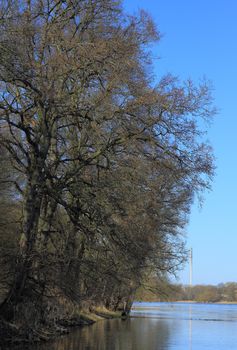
{"x": 191, "y": 267}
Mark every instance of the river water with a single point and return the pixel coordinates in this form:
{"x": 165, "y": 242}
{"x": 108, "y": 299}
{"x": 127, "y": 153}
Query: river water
{"x": 158, "y": 326}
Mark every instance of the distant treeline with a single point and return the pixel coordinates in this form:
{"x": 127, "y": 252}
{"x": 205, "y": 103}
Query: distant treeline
{"x": 223, "y": 292}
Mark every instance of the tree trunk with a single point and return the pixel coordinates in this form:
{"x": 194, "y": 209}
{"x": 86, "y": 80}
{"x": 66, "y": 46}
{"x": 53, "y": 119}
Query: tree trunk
{"x": 25, "y": 260}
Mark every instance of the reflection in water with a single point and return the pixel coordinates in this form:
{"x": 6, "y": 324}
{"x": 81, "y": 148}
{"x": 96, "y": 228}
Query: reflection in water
{"x": 157, "y": 326}
{"x": 190, "y": 313}
{"x": 131, "y": 334}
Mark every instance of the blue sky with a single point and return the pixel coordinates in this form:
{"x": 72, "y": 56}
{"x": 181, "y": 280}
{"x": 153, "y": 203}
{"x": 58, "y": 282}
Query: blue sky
{"x": 200, "y": 39}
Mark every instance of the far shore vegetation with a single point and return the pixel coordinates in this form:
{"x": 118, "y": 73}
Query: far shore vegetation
{"x": 157, "y": 291}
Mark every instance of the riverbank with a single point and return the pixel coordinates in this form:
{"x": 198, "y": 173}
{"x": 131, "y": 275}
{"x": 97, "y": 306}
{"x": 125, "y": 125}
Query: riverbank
{"x": 13, "y": 335}
{"x": 206, "y": 302}
{"x": 187, "y": 302}
{"x": 172, "y": 326}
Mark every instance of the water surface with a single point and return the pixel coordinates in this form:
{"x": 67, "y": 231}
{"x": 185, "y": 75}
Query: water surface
{"x": 158, "y": 326}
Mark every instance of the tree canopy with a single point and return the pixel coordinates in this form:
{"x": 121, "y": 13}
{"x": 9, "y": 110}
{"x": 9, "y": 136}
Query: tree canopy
{"x": 106, "y": 159}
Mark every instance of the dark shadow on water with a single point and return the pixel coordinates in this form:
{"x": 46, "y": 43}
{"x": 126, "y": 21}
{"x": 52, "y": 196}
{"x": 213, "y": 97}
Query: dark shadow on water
{"x": 131, "y": 334}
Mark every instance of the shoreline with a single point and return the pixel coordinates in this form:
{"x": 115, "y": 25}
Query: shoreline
{"x": 46, "y": 334}
{"x": 188, "y": 302}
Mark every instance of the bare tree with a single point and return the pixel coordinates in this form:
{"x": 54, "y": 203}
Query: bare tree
{"x": 108, "y": 162}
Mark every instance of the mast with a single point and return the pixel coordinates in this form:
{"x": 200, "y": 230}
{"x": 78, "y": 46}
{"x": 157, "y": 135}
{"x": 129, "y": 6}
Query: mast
{"x": 190, "y": 267}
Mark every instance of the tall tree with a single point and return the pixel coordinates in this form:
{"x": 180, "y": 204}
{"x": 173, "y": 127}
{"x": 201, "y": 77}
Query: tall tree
{"x": 109, "y": 161}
